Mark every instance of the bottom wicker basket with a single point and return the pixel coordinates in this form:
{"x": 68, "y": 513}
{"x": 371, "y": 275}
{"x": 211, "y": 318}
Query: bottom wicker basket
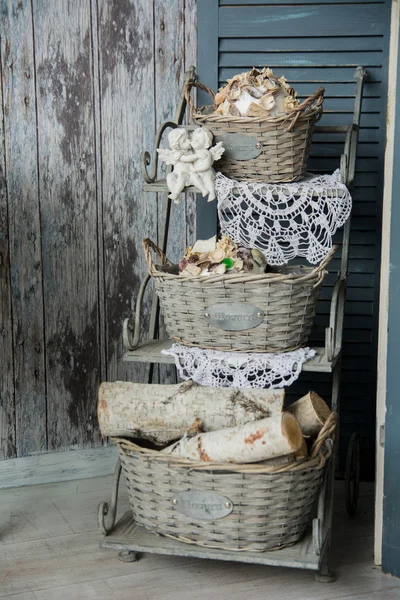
{"x": 266, "y": 508}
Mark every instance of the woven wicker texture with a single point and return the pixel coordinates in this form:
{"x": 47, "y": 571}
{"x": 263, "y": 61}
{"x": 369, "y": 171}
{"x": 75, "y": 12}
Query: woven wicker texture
{"x": 288, "y": 301}
{"x": 284, "y": 139}
{"x": 271, "y": 506}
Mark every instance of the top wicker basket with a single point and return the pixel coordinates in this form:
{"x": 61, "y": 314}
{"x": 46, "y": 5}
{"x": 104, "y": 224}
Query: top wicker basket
{"x": 278, "y": 145}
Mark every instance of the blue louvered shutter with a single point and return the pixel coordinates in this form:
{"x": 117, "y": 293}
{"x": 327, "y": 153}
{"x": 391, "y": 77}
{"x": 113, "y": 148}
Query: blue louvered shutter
{"x": 320, "y": 42}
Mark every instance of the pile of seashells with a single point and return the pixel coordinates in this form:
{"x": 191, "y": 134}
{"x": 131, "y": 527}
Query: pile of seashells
{"x": 255, "y": 94}
{"x": 217, "y": 257}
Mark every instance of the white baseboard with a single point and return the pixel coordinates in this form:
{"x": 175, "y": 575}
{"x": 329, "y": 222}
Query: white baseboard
{"x": 57, "y": 466}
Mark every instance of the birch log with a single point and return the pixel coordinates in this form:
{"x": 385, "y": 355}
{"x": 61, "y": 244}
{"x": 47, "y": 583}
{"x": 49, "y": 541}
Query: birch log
{"x": 311, "y": 412}
{"x": 163, "y": 413}
{"x": 302, "y": 452}
{"x": 275, "y": 436}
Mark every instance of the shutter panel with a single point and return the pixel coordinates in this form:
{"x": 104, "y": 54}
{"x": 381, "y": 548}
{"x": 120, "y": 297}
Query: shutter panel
{"x": 320, "y": 42}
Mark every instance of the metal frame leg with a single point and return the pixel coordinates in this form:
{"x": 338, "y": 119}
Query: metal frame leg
{"x": 325, "y": 575}
{"x": 111, "y": 510}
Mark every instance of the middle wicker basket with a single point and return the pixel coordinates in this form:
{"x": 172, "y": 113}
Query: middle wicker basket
{"x": 269, "y": 312}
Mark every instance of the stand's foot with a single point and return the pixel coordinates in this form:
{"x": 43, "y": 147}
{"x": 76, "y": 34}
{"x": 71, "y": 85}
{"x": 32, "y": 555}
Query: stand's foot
{"x": 328, "y": 577}
{"x": 128, "y": 556}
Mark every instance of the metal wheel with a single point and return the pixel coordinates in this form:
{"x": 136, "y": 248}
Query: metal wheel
{"x": 352, "y": 475}
{"x": 128, "y": 556}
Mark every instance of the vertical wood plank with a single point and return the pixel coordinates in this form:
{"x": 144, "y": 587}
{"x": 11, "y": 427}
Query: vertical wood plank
{"x": 25, "y": 235}
{"x": 190, "y": 47}
{"x": 169, "y": 70}
{"x": 126, "y": 60}
{"x": 67, "y": 180}
{"x": 7, "y": 412}
{"x": 99, "y": 184}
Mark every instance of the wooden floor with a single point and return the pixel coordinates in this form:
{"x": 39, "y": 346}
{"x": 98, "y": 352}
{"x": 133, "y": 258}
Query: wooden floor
{"x": 49, "y": 551}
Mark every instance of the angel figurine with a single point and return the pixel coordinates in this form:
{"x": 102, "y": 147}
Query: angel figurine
{"x": 192, "y": 159}
{"x": 203, "y": 176}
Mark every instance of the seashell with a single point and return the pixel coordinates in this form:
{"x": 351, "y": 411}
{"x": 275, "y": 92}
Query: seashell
{"x": 267, "y": 102}
{"x": 234, "y": 93}
{"x": 217, "y": 255}
{"x": 183, "y": 264}
{"x": 290, "y": 103}
{"x": 284, "y": 83}
{"x": 244, "y": 253}
{"x": 220, "y": 96}
{"x": 279, "y": 107}
{"x": 204, "y": 265}
{"x": 205, "y": 245}
{"x": 255, "y": 110}
{"x": 256, "y": 93}
{"x": 233, "y": 110}
{"x": 172, "y": 269}
{"x": 258, "y": 257}
{"x": 224, "y": 108}
{"x": 218, "y": 269}
{"x": 193, "y": 258}
{"x": 239, "y": 264}
{"x": 191, "y": 271}
{"x": 248, "y": 265}
{"x": 243, "y": 103}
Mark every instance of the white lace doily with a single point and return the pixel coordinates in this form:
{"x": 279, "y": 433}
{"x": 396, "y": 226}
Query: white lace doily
{"x": 237, "y": 369}
{"x": 284, "y": 220}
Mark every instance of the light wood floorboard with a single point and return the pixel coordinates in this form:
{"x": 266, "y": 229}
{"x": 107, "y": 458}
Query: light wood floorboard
{"x": 49, "y": 551}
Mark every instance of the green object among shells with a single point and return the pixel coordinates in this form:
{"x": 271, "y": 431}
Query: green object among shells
{"x": 228, "y": 262}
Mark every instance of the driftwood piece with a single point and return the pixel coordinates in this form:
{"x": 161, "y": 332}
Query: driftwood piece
{"x": 163, "y": 413}
{"x": 275, "y": 436}
{"x": 311, "y": 412}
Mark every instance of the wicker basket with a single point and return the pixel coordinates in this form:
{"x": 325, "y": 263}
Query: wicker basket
{"x": 270, "y": 506}
{"x": 280, "y": 307}
{"x": 283, "y": 140}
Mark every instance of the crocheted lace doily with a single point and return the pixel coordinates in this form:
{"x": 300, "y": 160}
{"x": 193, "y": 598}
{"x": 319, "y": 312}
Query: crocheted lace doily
{"x": 237, "y": 369}
{"x": 284, "y": 220}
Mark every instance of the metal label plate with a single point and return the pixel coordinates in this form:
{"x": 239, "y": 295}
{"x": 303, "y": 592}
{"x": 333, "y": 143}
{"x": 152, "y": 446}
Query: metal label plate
{"x": 235, "y": 316}
{"x": 207, "y": 506}
{"x": 239, "y": 146}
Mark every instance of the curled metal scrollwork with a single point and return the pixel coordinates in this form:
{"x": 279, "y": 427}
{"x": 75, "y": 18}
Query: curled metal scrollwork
{"x": 110, "y": 510}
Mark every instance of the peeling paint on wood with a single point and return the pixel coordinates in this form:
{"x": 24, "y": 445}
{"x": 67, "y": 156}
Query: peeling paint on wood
{"x": 169, "y": 71}
{"x": 127, "y": 104}
{"x": 7, "y": 412}
{"x": 78, "y": 81}
{"x": 25, "y": 245}
{"x": 67, "y": 181}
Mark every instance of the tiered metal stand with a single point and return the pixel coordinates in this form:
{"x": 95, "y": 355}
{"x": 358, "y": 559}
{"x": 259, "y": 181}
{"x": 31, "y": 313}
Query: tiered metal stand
{"x": 312, "y": 552}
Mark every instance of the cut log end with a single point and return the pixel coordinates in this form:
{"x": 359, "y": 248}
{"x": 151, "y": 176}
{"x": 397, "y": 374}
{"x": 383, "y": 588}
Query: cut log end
{"x": 292, "y": 431}
{"x": 321, "y": 408}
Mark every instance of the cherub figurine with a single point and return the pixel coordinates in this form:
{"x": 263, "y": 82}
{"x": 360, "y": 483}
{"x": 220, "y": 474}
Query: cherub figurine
{"x": 203, "y": 176}
{"x": 191, "y": 167}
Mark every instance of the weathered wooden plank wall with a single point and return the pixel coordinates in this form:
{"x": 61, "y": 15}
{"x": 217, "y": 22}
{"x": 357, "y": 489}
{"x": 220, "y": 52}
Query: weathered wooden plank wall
{"x": 84, "y": 84}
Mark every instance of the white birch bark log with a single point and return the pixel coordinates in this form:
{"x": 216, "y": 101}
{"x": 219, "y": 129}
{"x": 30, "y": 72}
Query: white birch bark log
{"x": 163, "y": 413}
{"x": 275, "y": 436}
{"x": 311, "y": 412}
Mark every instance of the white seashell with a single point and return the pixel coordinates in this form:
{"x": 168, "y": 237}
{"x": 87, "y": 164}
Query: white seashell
{"x": 267, "y": 102}
{"x": 239, "y": 264}
{"x": 217, "y": 255}
{"x": 191, "y": 270}
{"x": 243, "y": 103}
{"x": 202, "y": 246}
{"x": 219, "y": 270}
